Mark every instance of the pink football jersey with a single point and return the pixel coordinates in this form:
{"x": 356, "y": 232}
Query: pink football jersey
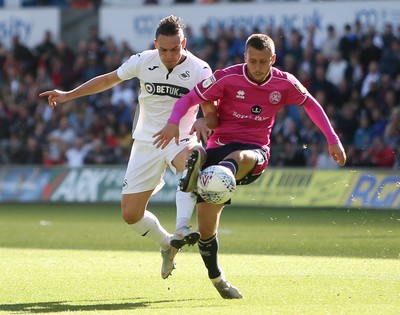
{"x": 246, "y": 108}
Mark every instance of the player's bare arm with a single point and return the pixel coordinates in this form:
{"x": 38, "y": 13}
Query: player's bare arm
{"x": 165, "y": 135}
{"x": 338, "y": 154}
{"x": 93, "y": 86}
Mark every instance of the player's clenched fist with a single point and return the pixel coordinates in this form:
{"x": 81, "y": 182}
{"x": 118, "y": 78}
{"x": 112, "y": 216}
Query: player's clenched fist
{"x": 338, "y": 154}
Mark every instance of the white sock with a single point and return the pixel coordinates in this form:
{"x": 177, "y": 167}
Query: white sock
{"x": 218, "y": 279}
{"x": 185, "y": 203}
{"x": 150, "y": 227}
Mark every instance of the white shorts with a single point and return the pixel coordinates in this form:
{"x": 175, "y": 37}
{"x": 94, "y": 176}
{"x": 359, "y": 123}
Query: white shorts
{"x": 147, "y": 165}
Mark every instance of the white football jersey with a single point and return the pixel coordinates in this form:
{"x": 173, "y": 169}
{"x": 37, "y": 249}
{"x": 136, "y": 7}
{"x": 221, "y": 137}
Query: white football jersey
{"x": 160, "y": 89}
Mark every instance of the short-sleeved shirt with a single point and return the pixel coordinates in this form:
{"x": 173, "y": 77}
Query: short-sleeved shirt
{"x": 160, "y": 89}
{"x": 246, "y": 108}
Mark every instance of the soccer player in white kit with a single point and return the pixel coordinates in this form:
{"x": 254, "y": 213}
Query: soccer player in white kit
{"x": 249, "y": 96}
{"x": 165, "y": 73}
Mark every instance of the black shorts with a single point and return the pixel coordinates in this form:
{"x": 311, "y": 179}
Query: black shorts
{"x": 216, "y": 155}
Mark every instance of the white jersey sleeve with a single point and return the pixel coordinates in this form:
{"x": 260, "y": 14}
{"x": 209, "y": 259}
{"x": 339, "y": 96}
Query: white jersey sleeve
{"x": 129, "y": 69}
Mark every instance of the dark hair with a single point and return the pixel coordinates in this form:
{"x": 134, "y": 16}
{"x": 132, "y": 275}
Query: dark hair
{"x": 260, "y": 42}
{"x": 170, "y": 26}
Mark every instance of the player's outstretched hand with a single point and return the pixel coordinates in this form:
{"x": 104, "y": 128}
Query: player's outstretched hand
{"x": 165, "y": 135}
{"x": 337, "y": 153}
{"x": 200, "y": 128}
{"x": 54, "y": 97}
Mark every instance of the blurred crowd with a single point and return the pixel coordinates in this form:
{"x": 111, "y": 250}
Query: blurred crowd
{"x": 73, "y": 4}
{"x": 353, "y": 72}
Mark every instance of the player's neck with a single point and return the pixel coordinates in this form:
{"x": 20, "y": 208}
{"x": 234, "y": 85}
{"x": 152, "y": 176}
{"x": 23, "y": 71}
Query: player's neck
{"x": 182, "y": 59}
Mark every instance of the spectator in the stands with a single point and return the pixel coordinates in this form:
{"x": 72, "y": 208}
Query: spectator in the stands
{"x": 124, "y": 138}
{"x": 292, "y": 156}
{"x": 312, "y": 38}
{"x": 281, "y": 123}
{"x": 237, "y": 46}
{"x": 45, "y": 50}
{"x": 22, "y": 124}
{"x": 309, "y": 133}
{"x": 125, "y": 52}
{"x": 331, "y": 42}
{"x": 291, "y": 132}
{"x": 43, "y": 79}
{"x": 294, "y": 47}
{"x": 320, "y": 83}
{"x": 75, "y": 155}
{"x": 123, "y": 93}
{"x": 369, "y": 52}
{"x": 370, "y": 82}
{"x": 354, "y": 72}
{"x": 280, "y": 46}
{"x": 379, "y": 122}
{"x": 347, "y": 123}
{"x": 385, "y": 94}
{"x": 391, "y": 134}
{"x": 99, "y": 154}
{"x": 378, "y": 154}
{"x": 59, "y": 140}
{"x": 40, "y": 131}
{"x": 353, "y": 156}
{"x": 362, "y": 135}
{"x": 15, "y": 150}
{"x": 79, "y": 119}
{"x": 290, "y": 63}
{"x": 204, "y": 45}
{"x": 11, "y": 67}
{"x": 75, "y": 74}
{"x": 66, "y": 54}
{"x": 324, "y": 160}
{"x": 223, "y": 54}
{"x": 319, "y": 61}
{"x": 388, "y": 35}
{"x": 307, "y": 63}
{"x": 390, "y": 60}
{"x": 93, "y": 66}
{"x": 349, "y": 42}
{"x": 57, "y": 72}
{"x": 23, "y": 55}
{"x": 336, "y": 69}
{"x": 33, "y": 154}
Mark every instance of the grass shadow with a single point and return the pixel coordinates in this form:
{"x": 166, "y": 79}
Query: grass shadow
{"x": 67, "y": 306}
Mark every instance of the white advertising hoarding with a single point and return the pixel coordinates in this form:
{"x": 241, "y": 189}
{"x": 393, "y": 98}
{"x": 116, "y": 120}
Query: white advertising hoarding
{"x": 29, "y": 25}
{"x": 137, "y": 24}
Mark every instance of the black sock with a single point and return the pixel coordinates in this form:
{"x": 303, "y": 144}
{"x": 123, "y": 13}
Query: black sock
{"x": 209, "y": 252}
{"x": 231, "y": 164}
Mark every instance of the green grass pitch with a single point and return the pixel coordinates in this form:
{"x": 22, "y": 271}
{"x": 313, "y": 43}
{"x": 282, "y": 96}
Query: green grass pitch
{"x": 83, "y": 259}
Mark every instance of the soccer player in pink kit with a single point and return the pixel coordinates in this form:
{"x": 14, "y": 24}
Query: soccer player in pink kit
{"x": 249, "y": 95}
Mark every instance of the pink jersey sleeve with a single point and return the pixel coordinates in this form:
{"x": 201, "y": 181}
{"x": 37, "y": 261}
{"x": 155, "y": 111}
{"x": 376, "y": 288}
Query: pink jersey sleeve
{"x": 182, "y": 106}
{"x": 318, "y": 116}
{"x": 297, "y": 92}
